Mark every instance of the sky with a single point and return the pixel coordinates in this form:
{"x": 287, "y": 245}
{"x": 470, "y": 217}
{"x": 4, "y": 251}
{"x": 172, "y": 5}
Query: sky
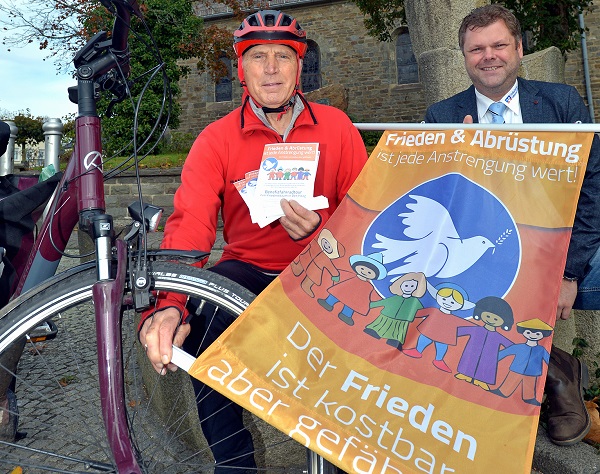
{"x": 29, "y": 82}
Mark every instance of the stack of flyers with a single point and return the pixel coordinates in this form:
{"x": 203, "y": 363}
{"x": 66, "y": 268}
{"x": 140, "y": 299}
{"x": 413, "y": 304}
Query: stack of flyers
{"x": 287, "y": 171}
{"x": 247, "y": 186}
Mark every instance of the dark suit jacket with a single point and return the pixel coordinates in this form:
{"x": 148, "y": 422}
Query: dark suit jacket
{"x": 547, "y": 102}
{"x": 4, "y": 136}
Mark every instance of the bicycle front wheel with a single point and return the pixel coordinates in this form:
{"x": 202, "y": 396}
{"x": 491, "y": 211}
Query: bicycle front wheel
{"x": 57, "y": 388}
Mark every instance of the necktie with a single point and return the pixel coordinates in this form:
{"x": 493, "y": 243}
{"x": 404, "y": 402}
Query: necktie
{"x": 497, "y": 109}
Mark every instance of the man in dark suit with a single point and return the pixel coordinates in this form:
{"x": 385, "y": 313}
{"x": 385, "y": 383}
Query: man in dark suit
{"x": 491, "y": 42}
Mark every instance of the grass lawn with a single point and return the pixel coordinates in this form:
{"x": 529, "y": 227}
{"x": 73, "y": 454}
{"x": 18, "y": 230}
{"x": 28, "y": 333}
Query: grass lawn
{"x": 167, "y": 160}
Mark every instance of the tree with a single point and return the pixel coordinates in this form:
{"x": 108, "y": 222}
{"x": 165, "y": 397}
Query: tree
{"x": 172, "y": 24}
{"x": 63, "y": 26}
{"x": 550, "y": 22}
{"x": 30, "y": 131}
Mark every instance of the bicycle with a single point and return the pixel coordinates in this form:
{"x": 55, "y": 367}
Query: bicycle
{"x": 47, "y": 319}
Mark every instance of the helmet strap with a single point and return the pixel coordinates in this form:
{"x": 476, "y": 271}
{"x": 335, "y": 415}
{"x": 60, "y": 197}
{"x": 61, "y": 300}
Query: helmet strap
{"x": 281, "y": 110}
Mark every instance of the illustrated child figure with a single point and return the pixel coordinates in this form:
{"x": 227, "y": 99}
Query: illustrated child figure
{"x": 356, "y": 292}
{"x": 316, "y": 258}
{"x": 528, "y": 363}
{"x": 398, "y": 310}
{"x": 479, "y": 361}
{"x": 439, "y": 324}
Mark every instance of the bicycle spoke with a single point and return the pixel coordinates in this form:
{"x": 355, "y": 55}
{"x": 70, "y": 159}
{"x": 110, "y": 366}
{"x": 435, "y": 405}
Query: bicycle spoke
{"x": 57, "y": 389}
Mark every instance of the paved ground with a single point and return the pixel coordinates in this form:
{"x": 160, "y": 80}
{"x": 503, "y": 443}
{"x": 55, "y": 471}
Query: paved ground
{"x": 551, "y": 459}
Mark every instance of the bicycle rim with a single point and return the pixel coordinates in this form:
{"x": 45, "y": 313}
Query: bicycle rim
{"x": 58, "y": 393}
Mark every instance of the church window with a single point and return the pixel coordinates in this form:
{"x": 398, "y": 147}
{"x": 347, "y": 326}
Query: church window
{"x": 406, "y": 63}
{"x": 311, "y": 68}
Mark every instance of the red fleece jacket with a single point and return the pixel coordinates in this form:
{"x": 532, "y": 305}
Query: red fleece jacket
{"x": 222, "y": 154}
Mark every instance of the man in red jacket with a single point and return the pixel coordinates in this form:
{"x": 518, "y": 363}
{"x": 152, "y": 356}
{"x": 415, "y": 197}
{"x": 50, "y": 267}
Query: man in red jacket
{"x": 270, "y": 46}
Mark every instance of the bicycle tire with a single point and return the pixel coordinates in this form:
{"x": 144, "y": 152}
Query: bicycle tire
{"x": 59, "y": 411}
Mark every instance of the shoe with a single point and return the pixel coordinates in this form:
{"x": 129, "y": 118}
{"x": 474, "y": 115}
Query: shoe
{"x": 296, "y": 268}
{"x": 394, "y": 343}
{"x": 306, "y": 285}
{"x": 464, "y": 377}
{"x": 568, "y": 418}
{"x": 414, "y": 353}
{"x": 481, "y": 384}
{"x": 441, "y": 365}
{"x": 532, "y": 401}
{"x": 325, "y": 304}
{"x": 496, "y": 391}
{"x": 347, "y": 319}
{"x": 9, "y": 418}
{"x": 371, "y": 333}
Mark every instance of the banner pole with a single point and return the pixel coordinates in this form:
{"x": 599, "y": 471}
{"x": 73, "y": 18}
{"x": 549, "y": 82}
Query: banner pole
{"x": 530, "y": 127}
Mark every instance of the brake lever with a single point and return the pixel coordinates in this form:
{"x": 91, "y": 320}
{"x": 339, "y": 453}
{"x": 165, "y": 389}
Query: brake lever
{"x": 118, "y": 87}
{"x": 111, "y": 105}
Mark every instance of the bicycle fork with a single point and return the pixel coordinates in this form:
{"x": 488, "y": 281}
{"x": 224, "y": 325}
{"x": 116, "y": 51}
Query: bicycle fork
{"x": 107, "y": 297}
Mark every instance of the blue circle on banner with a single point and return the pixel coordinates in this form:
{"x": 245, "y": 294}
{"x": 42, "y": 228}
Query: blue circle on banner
{"x": 454, "y": 231}
{"x": 269, "y": 164}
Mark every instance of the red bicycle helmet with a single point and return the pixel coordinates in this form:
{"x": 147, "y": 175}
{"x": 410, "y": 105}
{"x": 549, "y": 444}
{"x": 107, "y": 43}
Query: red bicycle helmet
{"x": 270, "y": 26}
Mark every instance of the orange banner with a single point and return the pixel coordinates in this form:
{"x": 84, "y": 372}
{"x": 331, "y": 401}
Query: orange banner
{"x": 413, "y": 334}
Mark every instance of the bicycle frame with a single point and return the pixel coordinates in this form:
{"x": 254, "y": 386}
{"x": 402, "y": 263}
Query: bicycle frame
{"x": 81, "y": 200}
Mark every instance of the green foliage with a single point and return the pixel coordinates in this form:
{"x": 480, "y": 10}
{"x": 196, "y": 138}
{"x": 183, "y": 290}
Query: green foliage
{"x": 370, "y": 138}
{"x": 550, "y": 22}
{"x": 593, "y": 390}
{"x": 30, "y": 129}
{"x": 68, "y": 137}
{"x": 172, "y": 24}
{"x": 178, "y": 142}
{"x": 163, "y": 161}
{"x": 381, "y": 16}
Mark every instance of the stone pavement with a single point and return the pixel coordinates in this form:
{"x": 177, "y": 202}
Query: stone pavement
{"x": 548, "y": 458}
{"x": 551, "y": 459}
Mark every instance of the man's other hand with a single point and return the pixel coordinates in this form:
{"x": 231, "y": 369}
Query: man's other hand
{"x": 298, "y": 221}
{"x": 566, "y": 298}
{"x": 159, "y": 333}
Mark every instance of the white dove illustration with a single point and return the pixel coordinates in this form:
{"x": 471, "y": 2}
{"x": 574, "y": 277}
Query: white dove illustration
{"x": 436, "y": 249}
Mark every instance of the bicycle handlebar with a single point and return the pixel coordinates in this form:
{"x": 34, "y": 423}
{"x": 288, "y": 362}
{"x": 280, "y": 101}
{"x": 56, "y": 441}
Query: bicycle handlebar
{"x": 97, "y": 59}
{"x": 124, "y": 9}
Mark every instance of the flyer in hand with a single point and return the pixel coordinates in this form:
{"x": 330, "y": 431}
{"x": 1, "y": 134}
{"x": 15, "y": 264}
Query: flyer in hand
{"x": 287, "y": 171}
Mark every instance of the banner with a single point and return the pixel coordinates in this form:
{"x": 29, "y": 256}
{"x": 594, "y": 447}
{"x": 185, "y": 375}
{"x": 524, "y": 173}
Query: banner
{"x": 413, "y": 334}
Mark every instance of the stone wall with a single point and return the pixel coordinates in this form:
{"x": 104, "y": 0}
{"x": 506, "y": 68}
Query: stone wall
{"x": 574, "y": 72}
{"x": 158, "y": 188}
{"x": 349, "y": 57}
{"x": 362, "y": 65}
